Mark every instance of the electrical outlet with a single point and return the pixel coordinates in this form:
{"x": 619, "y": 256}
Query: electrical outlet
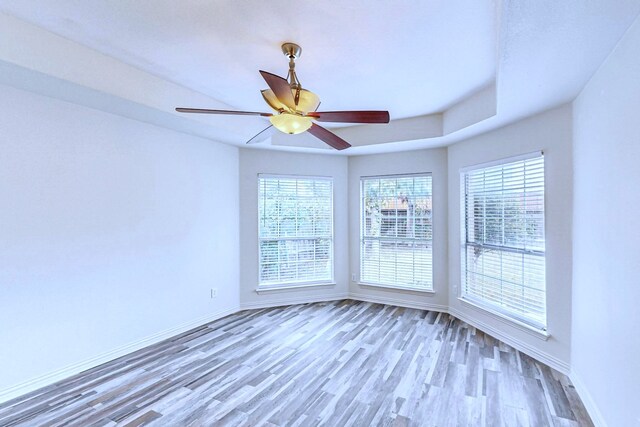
{"x": 214, "y": 292}
{"x": 353, "y": 277}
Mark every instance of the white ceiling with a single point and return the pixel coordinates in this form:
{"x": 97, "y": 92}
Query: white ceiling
{"x": 413, "y": 57}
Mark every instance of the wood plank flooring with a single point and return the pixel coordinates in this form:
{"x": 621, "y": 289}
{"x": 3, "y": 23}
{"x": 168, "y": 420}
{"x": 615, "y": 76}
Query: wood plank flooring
{"x": 335, "y": 364}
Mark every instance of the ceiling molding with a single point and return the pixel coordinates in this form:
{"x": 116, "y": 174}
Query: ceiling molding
{"x": 479, "y": 106}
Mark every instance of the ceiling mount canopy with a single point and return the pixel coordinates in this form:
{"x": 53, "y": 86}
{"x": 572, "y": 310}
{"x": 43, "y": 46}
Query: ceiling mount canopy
{"x": 294, "y": 108}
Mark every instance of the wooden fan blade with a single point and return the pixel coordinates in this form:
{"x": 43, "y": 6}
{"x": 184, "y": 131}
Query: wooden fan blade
{"x": 262, "y": 135}
{"x": 280, "y": 88}
{"x": 351, "y": 116}
{"x": 329, "y": 137}
{"x": 237, "y": 113}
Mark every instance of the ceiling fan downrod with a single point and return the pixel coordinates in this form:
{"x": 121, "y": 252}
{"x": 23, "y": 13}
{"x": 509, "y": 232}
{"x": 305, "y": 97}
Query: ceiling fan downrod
{"x": 292, "y": 51}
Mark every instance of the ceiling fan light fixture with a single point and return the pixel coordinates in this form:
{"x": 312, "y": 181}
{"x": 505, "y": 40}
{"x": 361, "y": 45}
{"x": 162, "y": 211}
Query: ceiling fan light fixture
{"x": 296, "y": 109}
{"x": 307, "y": 102}
{"x": 290, "y": 123}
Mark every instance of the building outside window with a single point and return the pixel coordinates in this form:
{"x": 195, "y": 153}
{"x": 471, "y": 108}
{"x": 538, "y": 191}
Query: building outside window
{"x": 295, "y": 230}
{"x": 396, "y": 239}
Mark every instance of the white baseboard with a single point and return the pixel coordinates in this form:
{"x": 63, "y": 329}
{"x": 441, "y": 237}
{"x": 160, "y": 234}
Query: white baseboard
{"x": 73, "y": 369}
{"x": 398, "y": 302}
{"x": 555, "y": 363}
{"x": 587, "y": 400}
{"x": 278, "y": 302}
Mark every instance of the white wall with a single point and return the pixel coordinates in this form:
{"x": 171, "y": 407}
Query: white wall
{"x": 254, "y": 162}
{"x": 111, "y": 232}
{"x": 434, "y": 161}
{"x": 550, "y": 132}
{"x": 606, "y": 266}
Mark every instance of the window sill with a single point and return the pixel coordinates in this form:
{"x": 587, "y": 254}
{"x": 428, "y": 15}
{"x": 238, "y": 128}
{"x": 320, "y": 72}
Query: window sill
{"x": 531, "y": 330}
{"x": 397, "y": 288}
{"x": 289, "y": 287}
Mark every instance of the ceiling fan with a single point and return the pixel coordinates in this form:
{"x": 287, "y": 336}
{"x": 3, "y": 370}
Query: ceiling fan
{"x": 295, "y": 107}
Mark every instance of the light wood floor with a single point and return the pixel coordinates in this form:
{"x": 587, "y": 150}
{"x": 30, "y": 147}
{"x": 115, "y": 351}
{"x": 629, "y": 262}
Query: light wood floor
{"x": 334, "y": 364}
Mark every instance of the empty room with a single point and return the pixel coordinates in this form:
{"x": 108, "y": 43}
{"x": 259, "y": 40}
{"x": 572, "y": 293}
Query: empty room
{"x": 279, "y": 213}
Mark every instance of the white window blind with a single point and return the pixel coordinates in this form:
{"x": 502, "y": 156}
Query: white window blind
{"x": 295, "y": 229}
{"x": 503, "y": 258}
{"x": 396, "y": 231}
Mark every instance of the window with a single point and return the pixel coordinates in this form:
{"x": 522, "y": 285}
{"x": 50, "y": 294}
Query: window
{"x": 295, "y": 230}
{"x": 503, "y": 260}
{"x": 396, "y": 231}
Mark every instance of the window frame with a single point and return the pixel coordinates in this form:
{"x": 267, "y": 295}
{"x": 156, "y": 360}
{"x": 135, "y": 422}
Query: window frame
{"x": 266, "y": 286}
{"x": 540, "y": 328}
{"x": 362, "y": 225}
